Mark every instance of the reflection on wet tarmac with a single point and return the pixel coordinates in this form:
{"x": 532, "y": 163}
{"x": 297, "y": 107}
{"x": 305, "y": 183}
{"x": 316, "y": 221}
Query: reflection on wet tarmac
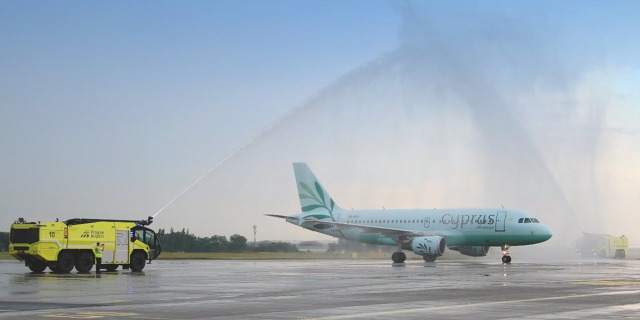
{"x": 339, "y": 289}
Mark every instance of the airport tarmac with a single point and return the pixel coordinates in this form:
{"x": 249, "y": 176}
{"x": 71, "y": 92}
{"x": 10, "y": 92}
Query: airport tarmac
{"x": 339, "y": 289}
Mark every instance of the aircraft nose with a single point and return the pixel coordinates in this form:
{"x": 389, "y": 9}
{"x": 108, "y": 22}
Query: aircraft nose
{"x": 545, "y": 232}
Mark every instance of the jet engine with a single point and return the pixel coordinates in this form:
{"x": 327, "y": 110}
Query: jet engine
{"x": 475, "y": 251}
{"x": 430, "y": 246}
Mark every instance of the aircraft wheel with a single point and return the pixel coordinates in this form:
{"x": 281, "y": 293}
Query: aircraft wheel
{"x": 137, "y": 261}
{"x": 398, "y": 257}
{"x": 429, "y": 258}
{"x": 506, "y": 259}
{"x": 65, "y": 262}
{"x": 37, "y": 266}
{"x": 84, "y": 263}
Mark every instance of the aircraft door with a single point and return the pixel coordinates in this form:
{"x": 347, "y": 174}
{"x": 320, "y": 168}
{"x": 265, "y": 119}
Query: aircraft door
{"x": 427, "y": 222}
{"x": 501, "y": 218}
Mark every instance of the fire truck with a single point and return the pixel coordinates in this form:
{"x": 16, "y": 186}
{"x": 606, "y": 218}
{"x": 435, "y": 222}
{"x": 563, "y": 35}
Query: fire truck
{"x": 61, "y": 246}
{"x": 602, "y": 246}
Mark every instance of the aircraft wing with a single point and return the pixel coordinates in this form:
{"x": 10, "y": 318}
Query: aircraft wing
{"x": 398, "y": 235}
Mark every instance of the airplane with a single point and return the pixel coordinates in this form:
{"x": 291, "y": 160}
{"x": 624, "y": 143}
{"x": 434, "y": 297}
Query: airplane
{"x": 426, "y": 232}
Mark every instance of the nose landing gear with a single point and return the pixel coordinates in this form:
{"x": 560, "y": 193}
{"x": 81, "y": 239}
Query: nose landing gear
{"x": 506, "y": 258}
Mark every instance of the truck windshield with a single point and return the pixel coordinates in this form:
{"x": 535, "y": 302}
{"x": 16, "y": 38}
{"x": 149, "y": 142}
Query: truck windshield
{"x": 149, "y": 237}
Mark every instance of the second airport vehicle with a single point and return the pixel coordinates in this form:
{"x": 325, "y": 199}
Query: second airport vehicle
{"x": 426, "y": 232}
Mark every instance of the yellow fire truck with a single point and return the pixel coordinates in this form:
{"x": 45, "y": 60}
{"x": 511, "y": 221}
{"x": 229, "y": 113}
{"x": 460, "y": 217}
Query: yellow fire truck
{"x": 61, "y": 246}
{"x": 602, "y": 246}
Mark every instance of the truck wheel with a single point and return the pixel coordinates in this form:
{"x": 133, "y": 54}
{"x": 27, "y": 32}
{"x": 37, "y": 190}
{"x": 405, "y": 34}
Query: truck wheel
{"x": 65, "y": 262}
{"x": 111, "y": 267}
{"x": 37, "y": 266}
{"x": 84, "y": 263}
{"x": 137, "y": 261}
{"x": 53, "y": 266}
{"x": 603, "y": 254}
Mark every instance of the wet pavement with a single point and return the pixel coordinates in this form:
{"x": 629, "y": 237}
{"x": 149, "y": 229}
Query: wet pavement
{"x": 340, "y": 289}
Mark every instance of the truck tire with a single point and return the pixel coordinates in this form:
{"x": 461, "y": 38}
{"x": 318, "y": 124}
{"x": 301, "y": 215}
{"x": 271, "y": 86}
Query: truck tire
{"x": 37, "y": 266}
{"x": 53, "y": 266}
{"x": 65, "y": 262}
{"x": 84, "y": 262}
{"x": 138, "y": 261}
{"x": 603, "y": 254}
{"x": 111, "y": 267}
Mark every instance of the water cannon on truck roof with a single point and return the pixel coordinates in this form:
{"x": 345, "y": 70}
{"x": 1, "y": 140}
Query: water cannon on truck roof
{"x": 63, "y": 245}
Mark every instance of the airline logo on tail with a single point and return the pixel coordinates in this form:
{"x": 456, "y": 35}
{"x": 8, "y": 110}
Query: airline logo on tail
{"x": 314, "y": 200}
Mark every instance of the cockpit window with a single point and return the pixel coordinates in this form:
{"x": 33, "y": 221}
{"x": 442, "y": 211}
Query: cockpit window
{"x": 534, "y": 220}
{"x": 520, "y": 220}
{"x": 527, "y": 220}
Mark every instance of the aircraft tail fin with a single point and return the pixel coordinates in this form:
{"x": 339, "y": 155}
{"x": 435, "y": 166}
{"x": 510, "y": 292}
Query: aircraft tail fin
{"x": 315, "y": 201}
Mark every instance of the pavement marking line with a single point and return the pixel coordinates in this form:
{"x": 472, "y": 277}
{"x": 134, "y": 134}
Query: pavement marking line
{"x": 601, "y": 313}
{"x": 608, "y": 283}
{"x": 91, "y": 315}
{"x": 426, "y": 309}
{"x": 71, "y": 316}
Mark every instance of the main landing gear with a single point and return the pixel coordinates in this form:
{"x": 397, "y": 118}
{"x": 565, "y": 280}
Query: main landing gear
{"x": 398, "y": 257}
{"x": 428, "y": 258}
{"x": 506, "y": 258}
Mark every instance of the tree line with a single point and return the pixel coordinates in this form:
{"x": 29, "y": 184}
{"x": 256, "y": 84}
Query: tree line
{"x": 183, "y": 241}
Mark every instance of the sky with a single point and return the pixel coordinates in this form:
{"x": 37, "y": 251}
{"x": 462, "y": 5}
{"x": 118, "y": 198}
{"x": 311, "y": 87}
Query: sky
{"x": 112, "y": 109}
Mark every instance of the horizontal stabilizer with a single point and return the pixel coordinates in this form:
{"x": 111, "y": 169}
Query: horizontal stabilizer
{"x": 276, "y": 216}
{"x": 291, "y": 219}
